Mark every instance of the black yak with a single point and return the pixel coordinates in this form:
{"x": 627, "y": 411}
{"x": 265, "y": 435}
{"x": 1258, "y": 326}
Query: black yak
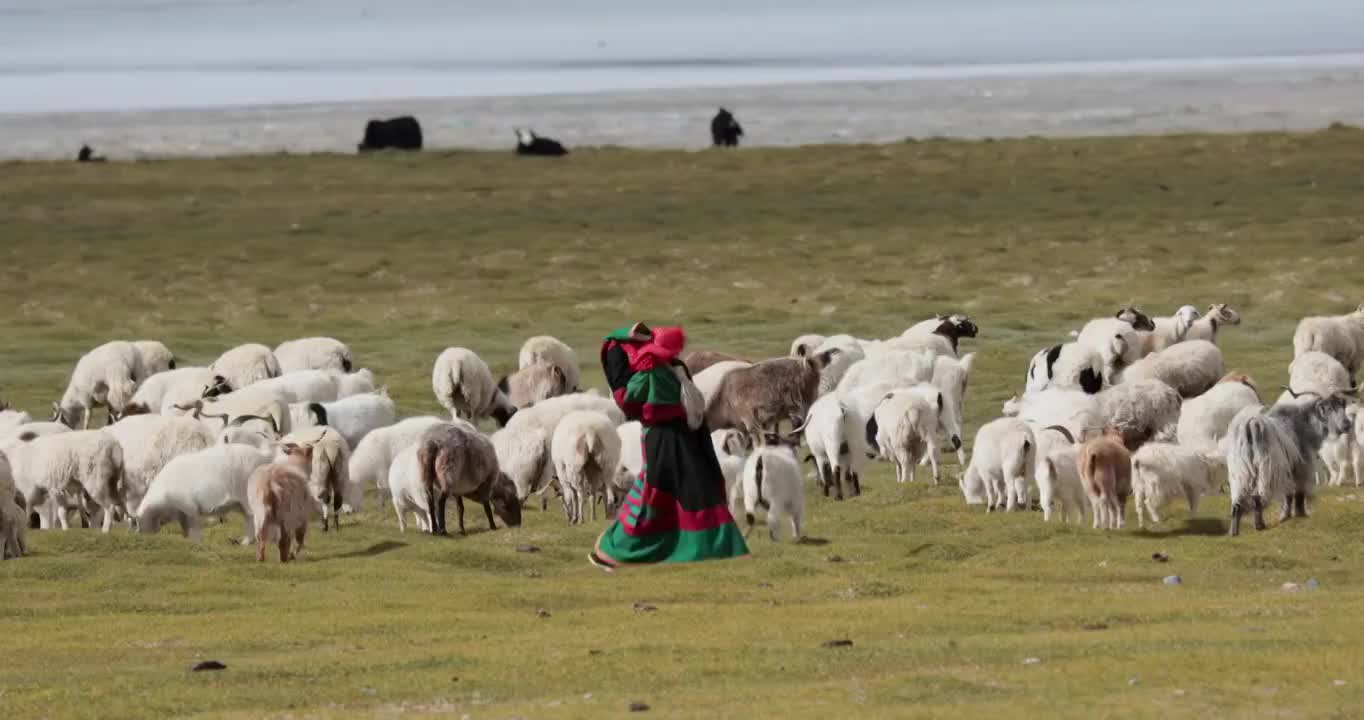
{"x": 528, "y": 143}
{"x": 399, "y": 133}
{"x": 725, "y": 131}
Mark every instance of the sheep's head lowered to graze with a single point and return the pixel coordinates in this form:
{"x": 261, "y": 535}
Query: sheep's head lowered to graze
{"x": 505, "y": 503}
{"x": 1135, "y": 317}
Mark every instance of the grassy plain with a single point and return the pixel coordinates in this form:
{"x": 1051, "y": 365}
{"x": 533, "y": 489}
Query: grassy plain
{"x": 404, "y": 255}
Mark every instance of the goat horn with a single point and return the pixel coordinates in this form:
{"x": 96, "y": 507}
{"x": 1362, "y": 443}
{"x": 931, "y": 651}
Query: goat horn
{"x": 1063, "y": 430}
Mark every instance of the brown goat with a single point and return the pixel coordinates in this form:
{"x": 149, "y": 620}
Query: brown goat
{"x": 459, "y": 462}
{"x": 698, "y": 360}
{"x": 280, "y": 503}
{"x": 757, "y": 398}
{"x": 534, "y": 383}
{"x": 1105, "y": 467}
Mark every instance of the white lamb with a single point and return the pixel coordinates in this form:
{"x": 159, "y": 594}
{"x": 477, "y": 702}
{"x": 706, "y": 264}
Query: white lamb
{"x": 1342, "y": 453}
{"x": 355, "y": 383}
{"x": 314, "y": 353}
{"x": 1001, "y": 464}
{"x": 1115, "y": 338}
{"x": 104, "y": 377}
{"x": 1162, "y": 472}
{"x": 407, "y": 489}
{"x": 1203, "y": 420}
{"x": 888, "y": 371}
{"x": 907, "y": 423}
{"x": 1340, "y": 336}
{"x": 772, "y": 483}
{"x": 837, "y": 438}
{"x": 156, "y": 358}
{"x": 631, "y": 462}
{"x": 86, "y": 464}
{"x": 951, "y": 375}
{"x": 1069, "y": 366}
{"x": 464, "y": 385}
{"x": 1057, "y": 475}
{"x": 1169, "y": 330}
{"x": 731, "y": 451}
{"x": 523, "y": 445}
{"x": 1190, "y": 367}
{"x": 212, "y": 481}
{"x": 152, "y": 393}
{"x": 586, "y": 453}
{"x": 354, "y": 417}
{"x": 149, "y": 442}
{"x": 373, "y": 456}
{"x": 246, "y": 364}
{"x": 1206, "y": 327}
{"x": 544, "y": 348}
{"x": 1318, "y": 373}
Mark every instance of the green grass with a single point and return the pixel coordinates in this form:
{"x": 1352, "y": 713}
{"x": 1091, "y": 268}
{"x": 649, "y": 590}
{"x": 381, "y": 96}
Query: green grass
{"x": 404, "y": 255}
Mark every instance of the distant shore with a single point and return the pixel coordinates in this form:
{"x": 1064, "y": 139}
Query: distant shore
{"x": 1078, "y": 100}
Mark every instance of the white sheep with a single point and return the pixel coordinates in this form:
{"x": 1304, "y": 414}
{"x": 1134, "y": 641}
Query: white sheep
{"x": 1115, "y": 338}
{"x": 212, "y": 481}
{"x": 907, "y": 423}
{"x": 1069, "y": 366}
{"x": 464, "y": 385}
{"x": 374, "y": 455}
{"x": 152, "y": 393}
{"x": 805, "y": 345}
{"x": 1162, "y": 472}
{"x": 585, "y": 450}
{"x": 953, "y": 327}
{"x": 1074, "y": 410}
{"x": 1001, "y": 464}
{"x": 1340, "y": 336}
{"x": 87, "y": 464}
{"x": 544, "y": 348}
{"x": 10, "y": 420}
{"x": 355, "y": 383}
{"x": 772, "y": 483}
{"x": 731, "y": 451}
{"x": 246, "y": 364}
{"x": 1141, "y": 410}
{"x": 631, "y": 461}
{"x": 329, "y": 480}
{"x": 407, "y": 489}
{"x": 1342, "y": 453}
{"x": 836, "y": 436}
{"x": 1168, "y": 330}
{"x": 1190, "y": 367}
{"x": 354, "y": 417}
{"x": 1206, "y": 327}
{"x": 1057, "y": 476}
{"x": 314, "y": 353}
{"x": 104, "y": 377}
{"x": 1203, "y": 420}
{"x": 28, "y": 431}
{"x": 149, "y": 442}
{"x": 266, "y": 408}
{"x": 522, "y": 446}
{"x": 951, "y": 376}
{"x": 887, "y": 371}
{"x": 1318, "y": 373}
{"x": 304, "y": 386}
{"x": 13, "y": 516}
{"x": 934, "y": 344}
{"x": 156, "y": 358}
{"x": 849, "y": 353}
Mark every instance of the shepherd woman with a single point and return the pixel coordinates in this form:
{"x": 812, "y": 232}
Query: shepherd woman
{"x": 676, "y": 510}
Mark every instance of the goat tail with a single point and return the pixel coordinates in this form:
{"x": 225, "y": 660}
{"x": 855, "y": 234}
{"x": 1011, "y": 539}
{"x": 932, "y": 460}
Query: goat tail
{"x": 758, "y": 481}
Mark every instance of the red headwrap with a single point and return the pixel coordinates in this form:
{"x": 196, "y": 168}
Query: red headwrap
{"x": 666, "y": 344}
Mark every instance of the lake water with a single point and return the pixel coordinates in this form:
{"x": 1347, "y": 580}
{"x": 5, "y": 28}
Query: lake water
{"x": 146, "y": 77}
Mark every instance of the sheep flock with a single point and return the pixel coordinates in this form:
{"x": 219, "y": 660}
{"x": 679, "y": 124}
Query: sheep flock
{"x": 1127, "y": 406}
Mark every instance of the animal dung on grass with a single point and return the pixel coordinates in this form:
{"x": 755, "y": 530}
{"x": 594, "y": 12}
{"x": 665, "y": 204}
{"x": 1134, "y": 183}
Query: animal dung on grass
{"x": 840, "y": 643}
{"x": 208, "y": 665}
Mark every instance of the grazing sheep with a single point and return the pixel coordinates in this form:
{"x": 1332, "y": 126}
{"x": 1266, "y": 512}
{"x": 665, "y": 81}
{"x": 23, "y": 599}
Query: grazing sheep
{"x": 355, "y": 383}
{"x": 907, "y": 423}
{"x": 1162, "y": 472}
{"x": 315, "y": 353}
{"x": 1203, "y": 420}
{"x": 152, "y": 393}
{"x": 523, "y": 446}
{"x": 87, "y": 464}
{"x": 800, "y": 347}
{"x": 328, "y": 472}
{"x": 1205, "y": 327}
{"x": 544, "y": 348}
{"x": 1340, "y": 336}
{"x": 1001, "y": 463}
{"x": 277, "y": 495}
{"x": 1319, "y": 374}
{"x": 1168, "y": 330}
{"x": 104, "y": 377}
{"x": 952, "y": 327}
{"x": 156, "y": 358}
{"x": 456, "y": 462}
{"x": 708, "y": 380}
{"x": 772, "y": 482}
{"x": 1141, "y": 411}
{"x": 1073, "y": 410}
{"x": 212, "y": 481}
{"x": 1270, "y": 454}
{"x": 1069, "y": 366}
{"x": 406, "y": 489}
{"x": 13, "y": 515}
{"x": 756, "y": 399}
{"x": 586, "y": 453}
{"x": 532, "y": 384}
{"x": 836, "y": 435}
{"x": 303, "y": 386}
{"x": 149, "y": 442}
{"x": 245, "y": 364}
{"x": 373, "y": 456}
{"x": 1105, "y": 468}
{"x": 354, "y": 417}
{"x": 1190, "y": 367}
{"x": 1057, "y": 475}
{"x": 463, "y": 384}
{"x": 1115, "y": 338}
